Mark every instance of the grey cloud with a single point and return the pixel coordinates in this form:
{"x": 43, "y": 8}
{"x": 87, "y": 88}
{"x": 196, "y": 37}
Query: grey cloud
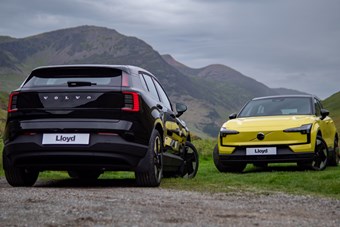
{"x": 271, "y": 41}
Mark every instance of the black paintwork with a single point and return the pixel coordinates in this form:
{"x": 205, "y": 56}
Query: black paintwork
{"x": 118, "y": 139}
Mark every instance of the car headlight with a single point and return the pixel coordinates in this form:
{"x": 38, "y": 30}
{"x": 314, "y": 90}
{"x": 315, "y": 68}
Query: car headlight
{"x": 303, "y": 129}
{"x": 224, "y": 132}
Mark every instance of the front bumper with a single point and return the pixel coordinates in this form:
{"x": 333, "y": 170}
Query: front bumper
{"x": 284, "y": 154}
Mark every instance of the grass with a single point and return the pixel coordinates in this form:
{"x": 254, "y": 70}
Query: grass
{"x": 1, "y": 147}
{"x": 285, "y": 177}
{"x": 278, "y": 178}
{"x": 3, "y": 115}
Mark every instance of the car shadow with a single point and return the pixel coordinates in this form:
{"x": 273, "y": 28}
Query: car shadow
{"x": 75, "y": 183}
{"x": 275, "y": 168}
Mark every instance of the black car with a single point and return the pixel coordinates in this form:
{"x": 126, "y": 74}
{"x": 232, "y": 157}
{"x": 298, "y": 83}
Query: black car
{"x": 87, "y": 119}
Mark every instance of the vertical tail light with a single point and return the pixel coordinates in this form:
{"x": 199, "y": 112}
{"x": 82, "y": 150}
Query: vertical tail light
{"x": 131, "y": 102}
{"x": 12, "y": 102}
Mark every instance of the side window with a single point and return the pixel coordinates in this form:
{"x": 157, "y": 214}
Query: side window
{"x": 145, "y": 86}
{"x": 317, "y": 107}
{"x": 163, "y": 96}
{"x": 151, "y": 86}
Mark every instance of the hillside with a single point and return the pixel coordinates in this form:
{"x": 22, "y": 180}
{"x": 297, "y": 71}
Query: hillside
{"x": 332, "y": 104}
{"x": 211, "y": 93}
{"x": 226, "y": 83}
{"x": 286, "y": 91}
{"x": 3, "y": 111}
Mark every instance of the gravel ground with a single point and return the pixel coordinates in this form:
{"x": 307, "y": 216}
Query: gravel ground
{"x": 120, "y": 203}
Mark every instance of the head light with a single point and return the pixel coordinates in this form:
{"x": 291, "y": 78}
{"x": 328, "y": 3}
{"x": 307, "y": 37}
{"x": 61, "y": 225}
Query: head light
{"x": 303, "y": 129}
{"x": 224, "y": 132}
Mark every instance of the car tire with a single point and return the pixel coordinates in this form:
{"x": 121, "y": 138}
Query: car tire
{"x": 191, "y": 161}
{"x": 320, "y": 156}
{"x": 19, "y": 177}
{"x": 334, "y": 154}
{"x": 154, "y": 169}
{"x": 231, "y": 167}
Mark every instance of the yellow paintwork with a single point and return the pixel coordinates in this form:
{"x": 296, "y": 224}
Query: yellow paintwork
{"x": 272, "y": 127}
{"x": 175, "y": 136}
{"x": 172, "y": 126}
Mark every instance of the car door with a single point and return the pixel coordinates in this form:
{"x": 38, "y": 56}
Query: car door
{"x": 175, "y": 133}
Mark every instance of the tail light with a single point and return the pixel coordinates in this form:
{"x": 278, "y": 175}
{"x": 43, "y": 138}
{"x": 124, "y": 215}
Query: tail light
{"x": 131, "y": 102}
{"x": 12, "y": 102}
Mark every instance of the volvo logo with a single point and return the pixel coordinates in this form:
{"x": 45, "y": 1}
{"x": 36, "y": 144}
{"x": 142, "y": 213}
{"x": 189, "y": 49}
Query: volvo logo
{"x": 67, "y": 97}
{"x": 260, "y": 136}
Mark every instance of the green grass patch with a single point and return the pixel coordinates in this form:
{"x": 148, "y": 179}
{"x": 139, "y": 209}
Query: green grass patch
{"x": 286, "y": 177}
{"x": 107, "y": 175}
{"x": 1, "y": 147}
{"x": 278, "y": 177}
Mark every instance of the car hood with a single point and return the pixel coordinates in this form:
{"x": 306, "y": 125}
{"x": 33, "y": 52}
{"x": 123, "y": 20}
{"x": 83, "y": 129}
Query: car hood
{"x": 268, "y": 123}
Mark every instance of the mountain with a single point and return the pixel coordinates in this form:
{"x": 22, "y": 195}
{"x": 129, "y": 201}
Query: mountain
{"x": 286, "y": 91}
{"x": 211, "y": 93}
{"x": 226, "y": 83}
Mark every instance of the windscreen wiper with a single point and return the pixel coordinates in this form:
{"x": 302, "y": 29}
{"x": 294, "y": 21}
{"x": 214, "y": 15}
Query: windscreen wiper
{"x": 79, "y": 83}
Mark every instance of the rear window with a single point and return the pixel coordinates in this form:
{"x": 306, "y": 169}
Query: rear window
{"x": 63, "y": 77}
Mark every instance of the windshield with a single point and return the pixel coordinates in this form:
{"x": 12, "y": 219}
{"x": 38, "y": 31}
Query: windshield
{"x": 74, "y": 76}
{"x": 277, "y": 106}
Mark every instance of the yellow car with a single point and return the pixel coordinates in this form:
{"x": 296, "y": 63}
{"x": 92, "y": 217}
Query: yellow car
{"x": 278, "y": 129}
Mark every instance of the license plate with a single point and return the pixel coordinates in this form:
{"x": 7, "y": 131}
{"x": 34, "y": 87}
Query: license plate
{"x": 261, "y": 151}
{"x": 66, "y": 138}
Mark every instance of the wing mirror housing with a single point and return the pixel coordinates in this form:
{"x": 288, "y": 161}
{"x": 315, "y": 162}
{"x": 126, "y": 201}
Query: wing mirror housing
{"x": 324, "y": 113}
{"x": 232, "y": 116}
{"x": 180, "y": 108}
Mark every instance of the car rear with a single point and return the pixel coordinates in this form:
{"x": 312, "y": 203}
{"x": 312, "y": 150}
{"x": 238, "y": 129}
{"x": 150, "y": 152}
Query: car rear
{"x": 75, "y": 118}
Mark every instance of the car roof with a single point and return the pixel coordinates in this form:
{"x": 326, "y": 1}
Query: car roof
{"x": 126, "y": 68}
{"x": 286, "y": 96}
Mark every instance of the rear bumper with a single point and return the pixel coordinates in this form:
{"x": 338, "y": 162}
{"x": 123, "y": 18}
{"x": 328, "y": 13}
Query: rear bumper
{"x": 105, "y": 152}
{"x": 284, "y": 154}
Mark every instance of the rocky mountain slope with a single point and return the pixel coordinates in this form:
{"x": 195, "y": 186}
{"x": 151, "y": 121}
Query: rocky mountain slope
{"x": 211, "y": 93}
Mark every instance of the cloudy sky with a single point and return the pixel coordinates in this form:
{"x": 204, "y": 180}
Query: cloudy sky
{"x": 281, "y": 43}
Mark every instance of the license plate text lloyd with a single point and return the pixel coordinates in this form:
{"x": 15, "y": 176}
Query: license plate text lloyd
{"x": 61, "y": 138}
{"x": 261, "y": 151}
{"x": 66, "y": 138}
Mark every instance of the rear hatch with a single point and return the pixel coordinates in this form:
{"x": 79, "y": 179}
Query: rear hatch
{"x": 67, "y": 103}
{"x": 73, "y": 99}
{"x": 71, "y": 92}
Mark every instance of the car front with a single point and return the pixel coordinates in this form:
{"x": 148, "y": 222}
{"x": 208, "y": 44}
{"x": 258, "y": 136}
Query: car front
{"x": 270, "y": 129}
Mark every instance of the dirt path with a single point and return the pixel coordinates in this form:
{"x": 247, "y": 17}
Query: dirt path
{"x": 120, "y": 203}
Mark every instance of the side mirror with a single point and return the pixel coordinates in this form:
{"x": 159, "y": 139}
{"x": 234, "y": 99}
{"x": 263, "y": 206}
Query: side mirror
{"x": 232, "y": 116}
{"x": 324, "y": 113}
{"x": 180, "y": 108}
